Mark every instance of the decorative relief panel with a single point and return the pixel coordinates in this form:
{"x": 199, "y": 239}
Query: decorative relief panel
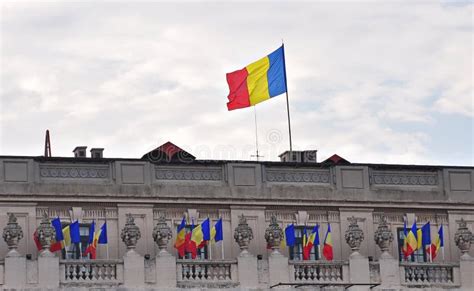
{"x": 433, "y": 218}
{"x": 327, "y": 216}
{"x": 297, "y": 176}
{"x": 286, "y": 217}
{"x": 61, "y": 172}
{"x": 100, "y": 213}
{"x": 62, "y": 212}
{"x": 396, "y": 218}
{"x": 169, "y": 214}
{"x": 188, "y": 174}
{"x": 404, "y": 178}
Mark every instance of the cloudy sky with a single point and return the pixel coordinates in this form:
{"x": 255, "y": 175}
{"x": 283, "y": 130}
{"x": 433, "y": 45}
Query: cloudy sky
{"x": 372, "y": 82}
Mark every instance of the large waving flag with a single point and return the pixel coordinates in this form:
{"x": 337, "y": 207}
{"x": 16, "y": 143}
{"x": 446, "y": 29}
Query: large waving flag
{"x": 67, "y": 237}
{"x": 405, "y": 239}
{"x": 191, "y": 246}
{"x": 257, "y": 82}
{"x": 327, "y": 248}
{"x": 180, "y": 243}
{"x": 426, "y": 237}
{"x": 412, "y": 242}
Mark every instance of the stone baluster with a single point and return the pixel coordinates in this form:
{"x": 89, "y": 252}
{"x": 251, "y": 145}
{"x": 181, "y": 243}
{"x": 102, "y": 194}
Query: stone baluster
{"x": 165, "y": 262}
{"x": 133, "y": 262}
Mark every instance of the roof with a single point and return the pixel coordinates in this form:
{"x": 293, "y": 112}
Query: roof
{"x": 168, "y": 152}
{"x": 336, "y": 160}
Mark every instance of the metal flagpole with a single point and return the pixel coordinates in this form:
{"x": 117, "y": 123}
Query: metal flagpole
{"x": 256, "y": 132}
{"x": 287, "y": 100}
{"x": 209, "y": 244}
{"x": 222, "y": 242}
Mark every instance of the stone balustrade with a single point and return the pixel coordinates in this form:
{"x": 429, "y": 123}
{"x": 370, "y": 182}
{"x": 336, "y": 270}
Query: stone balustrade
{"x": 100, "y": 272}
{"x": 430, "y": 274}
{"x": 207, "y": 273}
{"x": 319, "y": 271}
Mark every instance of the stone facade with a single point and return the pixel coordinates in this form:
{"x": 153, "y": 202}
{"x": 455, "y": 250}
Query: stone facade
{"x": 360, "y": 201}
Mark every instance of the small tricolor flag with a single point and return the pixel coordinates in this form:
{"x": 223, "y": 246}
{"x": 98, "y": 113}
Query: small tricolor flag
{"x": 217, "y": 233}
{"x": 257, "y": 82}
{"x": 411, "y": 241}
{"x": 313, "y": 240}
{"x": 327, "y": 248}
{"x": 180, "y": 243}
{"x": 438, "y": 243}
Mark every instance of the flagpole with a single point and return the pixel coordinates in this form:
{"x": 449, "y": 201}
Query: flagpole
{"x": 222, "y": 241}
{"x": 209, "y": 244}
{"x": 287, "y": 99}
{"x": 256, "y": 132}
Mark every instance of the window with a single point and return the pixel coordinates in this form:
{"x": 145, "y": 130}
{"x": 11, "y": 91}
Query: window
{"x": 417, "y": 256}
{"x": 202, "y": 253}
{"x": 296, "y": 252}
{"x": 74, "y": 251}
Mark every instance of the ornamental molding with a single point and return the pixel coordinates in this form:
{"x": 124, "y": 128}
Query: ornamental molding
{"x": 62, "y": 212}
{"x": 395, "y": 218}
{"x": 74, "y": 172}
{"x": 100, "y": 213}
{"x": 188, "y": 173}
{"x": 297, "y": 176}
{"x": 403, "y": 178}
{"x": 283, "y": 216}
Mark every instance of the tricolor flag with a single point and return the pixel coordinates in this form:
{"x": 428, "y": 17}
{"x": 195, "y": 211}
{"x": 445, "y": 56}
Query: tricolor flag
{"x": 91, "y": 248}
{"x": 426, "y": 237}
{"x": 75, "y": 232}
{"x": 191, "y": 246}
{"x": 67, "y": 237}
{"x": 411, "y": 240}
{"x": 57, "y": 244}
{"x": 438, "y": 243}
{"x": 257, "y": 82}
{"x": 327, "y": 248}
{"x": 305, "y": 243}
{"x": 180, "y": 243}
{"x": 103, "y": 234}
{"x": 206, "y": 232}
{"x": 217, "y": 233}
{"x": 312, "y": 241}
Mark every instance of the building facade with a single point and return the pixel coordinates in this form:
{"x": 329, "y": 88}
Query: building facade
{"x": 168, "y": 184}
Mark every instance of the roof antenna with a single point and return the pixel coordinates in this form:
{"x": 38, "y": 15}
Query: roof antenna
{"x": 47, "y": 145}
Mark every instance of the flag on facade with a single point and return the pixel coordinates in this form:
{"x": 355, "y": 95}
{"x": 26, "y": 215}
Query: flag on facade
{"x": 36, "y": 240}
{"x": 66, "y": 236}
{"x": 305, "y": 242}
{"x": 438, "y": 243}
{"x": 75, "y": 232}
{"x": 257, "y": 82}
{"x": 206, "y": 232}
{"x": 103, "y": 240}
{"x": 412, "y": 242}
{"x": 190, "y": 245}
{"x": 405, "y": 239}
{"x": 57, "y": 243}
{"x": 312, "y": 240}
{"x": 290, "y": 235}
{"x": 217, "y": 233}
{"x": 180, "y": 243}
{"x": 426, "y": 237}
{"x": 91, "y": 248}
{"x": 327, "y": 248}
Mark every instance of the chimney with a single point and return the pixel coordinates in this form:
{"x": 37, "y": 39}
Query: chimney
{"x": 299, "y": 156}
{"x": 97, "y": 153}
{"x": 80, "y": 152}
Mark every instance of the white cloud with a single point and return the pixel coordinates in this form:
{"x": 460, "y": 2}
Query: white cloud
{"x": 366, "y": 80}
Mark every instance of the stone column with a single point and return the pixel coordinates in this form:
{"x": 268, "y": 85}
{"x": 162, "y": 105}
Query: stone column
{"x": 389, "y": 267}
{"x": 165, "y": 262}
{"x": 133, "y": 262}
{"x": 463, "y": 238}
{"x": 278, "y": 267}
{"x": 48, "y": 263}
{"x": 246, "y": 262}
{"x": 359, "y": 271}
{"x": 15, "y": 263}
